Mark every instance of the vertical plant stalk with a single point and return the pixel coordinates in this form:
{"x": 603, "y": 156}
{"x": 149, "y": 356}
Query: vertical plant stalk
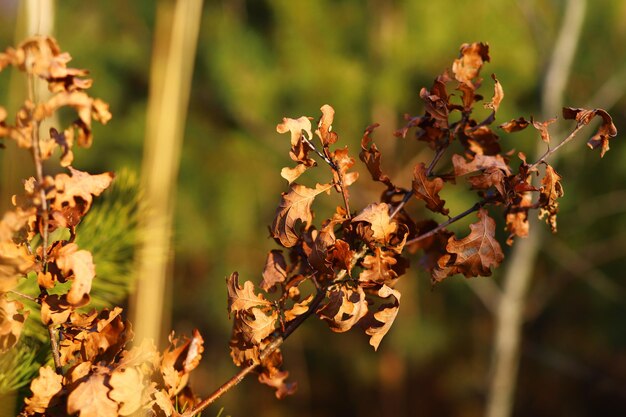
{"x": 44, "y": 212}
{"x": 172, "y": 68}
{"x": 34, "y": 17}
{"x": 509, "y": 315}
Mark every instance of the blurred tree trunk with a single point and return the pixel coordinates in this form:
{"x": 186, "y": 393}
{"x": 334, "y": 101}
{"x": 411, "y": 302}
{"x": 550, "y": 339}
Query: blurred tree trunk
{"x": 521, "y": 266}
{"x": 174, "y": 50}
{"x": 35, "y": 17}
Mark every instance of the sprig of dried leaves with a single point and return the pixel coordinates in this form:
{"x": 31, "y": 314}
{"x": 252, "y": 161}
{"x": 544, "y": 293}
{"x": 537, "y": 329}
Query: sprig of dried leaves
{"x": 343, "y": 269}
{"x": 354, "y": 259}
{"x": 97, "y": 371}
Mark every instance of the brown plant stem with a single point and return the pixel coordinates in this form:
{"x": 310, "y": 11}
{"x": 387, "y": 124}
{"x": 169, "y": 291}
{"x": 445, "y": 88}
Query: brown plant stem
{"x": 36, "y": 151}
{"x": 278, "y": 341}
{"x": 26, "y": 296}
{"x": 549, "y": 152}
{"x": 269, "y": 349}
{"x": 55, "y": 349}
{"x": 430, "y": 233}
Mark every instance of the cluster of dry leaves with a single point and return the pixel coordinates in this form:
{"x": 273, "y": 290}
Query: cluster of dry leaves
{"x": 349, "y": 264}
{"x": 343, "y": 270}
{"x": 96, "y": 370}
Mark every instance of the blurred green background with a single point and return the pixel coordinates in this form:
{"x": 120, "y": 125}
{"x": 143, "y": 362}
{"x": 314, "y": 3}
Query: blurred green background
{"x": 258, "y": 61}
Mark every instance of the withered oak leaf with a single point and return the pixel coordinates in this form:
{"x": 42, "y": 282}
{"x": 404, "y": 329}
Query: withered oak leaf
{"x": 498, "y": 95}
{"x": 542, "y": 127}
{"x": 344, "y": 308}
{"x": 12, "y": 319}
{"x": 377, "y": 215}
{"x": 551, "y": 190}
{"x": 296, "y": 127}
{"x": 78, "y": 189}
{"x": 273, "y": 376}
{"x": 275, "y": 271}
{"x": 43, "y": 388}
{"x": 298, "y": 309}
{"x": 428, "y": 189}
{"x": 77, "y": 264}
{"x": 471, "y": 59}
{"x": 462, "y": 166}
{"x": 243, "y": 298}
{"x": 255, "y": 324}
{"x": 517, "y": 217}
{"x": 606, "y": 130}
{"x": 472, "y": 255}
{"x": 381, "y": 321}
{"x": 324, "y": 127}
{"x": 90, "y": 397}
{"x": 514, "y": 125}
{"x": 384, "y": 267}
{"x": 127, "y": 387}
{"x": 371, "y": 157}
{"x": 295, "y": 206}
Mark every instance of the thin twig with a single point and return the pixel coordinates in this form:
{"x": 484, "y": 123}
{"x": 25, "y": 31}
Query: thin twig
{"x": 269, "y": 349}
{"x": 320, "y": 154}
{"x": 549, "y": 152}
{"x": 55, "y": 349}
{"x": 430, "y": 233}
{"x": 26, "y": 296}
{"x": 54, "y": 344}
{"x": 411, "y": 192}
{"x": 278, "y": 341}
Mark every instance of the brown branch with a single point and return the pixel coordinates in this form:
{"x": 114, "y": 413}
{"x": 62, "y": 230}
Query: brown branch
{"x": 277, "y": 342}
{"x": 269, "y": 349}
{"x": 549, "y": 152}
{"x": 55, "y": 349}
{"x": 26, "y": 296}
{"x": 430, "y": 233}
{"x": 36, "y": 152}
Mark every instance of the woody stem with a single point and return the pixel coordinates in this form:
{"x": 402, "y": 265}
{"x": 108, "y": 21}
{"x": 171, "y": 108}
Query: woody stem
{"x": 549, "y": 152}
{"x": 432, "y": 232}
{"x": 269, "y": 349}
{"x": 36, "y": 152}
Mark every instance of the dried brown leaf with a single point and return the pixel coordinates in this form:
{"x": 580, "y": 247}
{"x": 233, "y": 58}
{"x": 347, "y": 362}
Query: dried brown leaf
{"x": 515, "y": 125}
{"x": 551, "y": 191}
{"x": 275, "y": 271}
{"x": 127, "y": 386}
{"x": 371, "y": 157}
{"x": 471, "y": 59}
{"x": 428, "y": 189}
{"x": 384, "y": 317}
{"x": 324, "y": 127}
{"x": 12, "y": 319}
{"x": 542, "y": 127}
{"x": 295, "y": 206}
{"x": 473, "y": 255}
{"x": 606, "y": 130}
{"x": 344, "y": 308}
{"x": 377, "y": 215}
{"x": 498, "y": 95}
{"x": 44, "y": 388}
{"x": 243, "y": 298}
{"x": 77, "y": 265}
{"x": 384, "y": 267}
{"x": 90, "y": 398}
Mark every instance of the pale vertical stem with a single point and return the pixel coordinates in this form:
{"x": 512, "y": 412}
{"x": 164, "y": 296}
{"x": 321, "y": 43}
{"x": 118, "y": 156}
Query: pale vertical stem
{"x": 172, "y": 68}
{"x": 34, "y": 17}
{"x": 517, "y": 278}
